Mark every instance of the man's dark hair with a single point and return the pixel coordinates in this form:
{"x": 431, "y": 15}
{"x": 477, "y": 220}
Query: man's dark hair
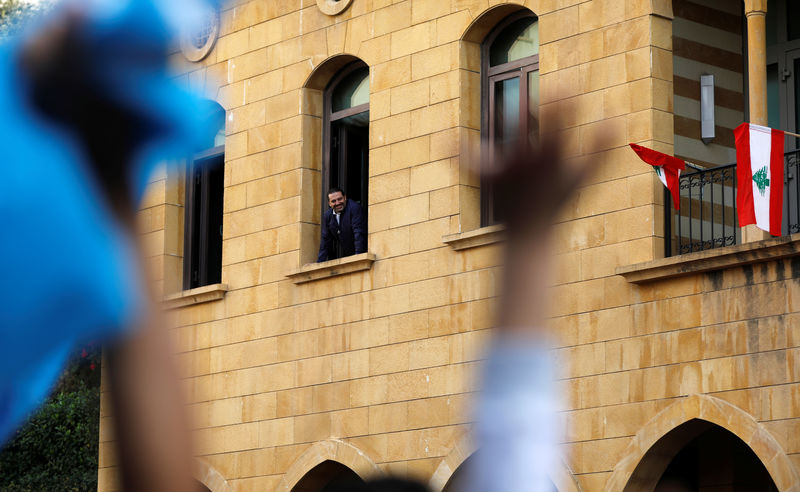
{"x": 335, "y": 189}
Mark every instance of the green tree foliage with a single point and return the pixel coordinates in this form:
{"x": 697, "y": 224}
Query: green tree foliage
{"x": 14, "y": 14}
{"x": 57, "y": 449}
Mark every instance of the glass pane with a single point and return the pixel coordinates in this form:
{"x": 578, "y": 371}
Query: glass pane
{"x": 795, "y": 141}
{"x": 358, "y": 119}
{"x": 792, "y": 23}
{"x": 519, "y": 40}
{"x": 352, "y": 90}
{"x": 772, "y": 24}
{"x": 533, "y": 107}
{"x": 773, "y": 98}
{"x": 506, "y": 114}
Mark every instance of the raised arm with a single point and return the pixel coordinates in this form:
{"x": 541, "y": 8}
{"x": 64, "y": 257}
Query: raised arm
{"x": 532, "y": 184}
{"x": 517, "y": 427}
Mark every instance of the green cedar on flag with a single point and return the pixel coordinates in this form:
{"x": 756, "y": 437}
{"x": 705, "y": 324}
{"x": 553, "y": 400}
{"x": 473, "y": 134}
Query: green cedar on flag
{"x": 667, "y": 168}
{"x": 759, "y": 165}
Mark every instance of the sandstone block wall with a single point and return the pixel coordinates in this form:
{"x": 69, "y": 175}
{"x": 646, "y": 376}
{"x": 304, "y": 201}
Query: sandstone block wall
{"x": 376, "y": 368}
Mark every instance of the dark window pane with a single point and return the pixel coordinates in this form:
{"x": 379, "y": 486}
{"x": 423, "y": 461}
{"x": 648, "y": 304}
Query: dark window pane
{"x": 517, "y": 41}
{"x": 795, "y": 141}
{"x": 772, "y": 24}
{"x": 506, "y": 116}
{"x": 359, "y": 119}
{"x": 352, "y": 90}
{"x": 773, "y": 96}
{"x": 213, "y": 250}
{"x": 203, "y": 242}
{"x": 349, "y": 156}
{"x": 533, "y": 107}
{"x": 792, "y": 22}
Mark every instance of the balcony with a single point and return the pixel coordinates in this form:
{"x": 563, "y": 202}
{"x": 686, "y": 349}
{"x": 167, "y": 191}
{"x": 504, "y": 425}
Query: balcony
{"x": 707, "y": 217}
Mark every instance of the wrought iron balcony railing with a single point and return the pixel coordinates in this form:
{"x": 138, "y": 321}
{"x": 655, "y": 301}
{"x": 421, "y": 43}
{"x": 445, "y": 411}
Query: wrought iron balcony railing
{"x": 707, "y": 217}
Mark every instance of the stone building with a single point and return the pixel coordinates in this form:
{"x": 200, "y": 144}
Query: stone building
{"x": 676, "y": 371}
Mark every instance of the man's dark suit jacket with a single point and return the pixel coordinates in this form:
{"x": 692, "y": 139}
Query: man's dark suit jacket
{"x": 349, "y": 237}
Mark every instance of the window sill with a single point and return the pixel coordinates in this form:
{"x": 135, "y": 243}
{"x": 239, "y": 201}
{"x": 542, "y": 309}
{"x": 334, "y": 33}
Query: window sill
{"x": 473, "y": 239}
{"x": 199, "y": 295}
{"x": 713, "y": 259}
{"x": 327, "y": 269}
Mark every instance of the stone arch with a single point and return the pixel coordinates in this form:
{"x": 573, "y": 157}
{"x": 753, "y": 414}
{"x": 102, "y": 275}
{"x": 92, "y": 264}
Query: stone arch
{"x": 465, "y": 447}
{"x": 485, "y": 21}
{"x": 697, "y": 407}
{"x": 206, "y": 474}
{"x": 328, "y": 450}
{"x": 325, "y": 71}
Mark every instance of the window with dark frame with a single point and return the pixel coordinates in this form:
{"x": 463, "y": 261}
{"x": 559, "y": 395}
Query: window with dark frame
{"x": 346, "y": 135}
{"x": 509, "y": 94}
{"x": 202, "y": 246}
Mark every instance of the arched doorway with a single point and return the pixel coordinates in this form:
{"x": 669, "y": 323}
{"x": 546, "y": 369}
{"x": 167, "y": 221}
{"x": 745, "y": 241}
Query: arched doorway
{"x": 704, "y": 457}
{"x": 328, "y": 476}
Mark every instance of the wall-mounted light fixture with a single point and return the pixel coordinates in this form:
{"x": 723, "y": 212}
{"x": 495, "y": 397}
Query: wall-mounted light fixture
{"x": 707, "y": 133}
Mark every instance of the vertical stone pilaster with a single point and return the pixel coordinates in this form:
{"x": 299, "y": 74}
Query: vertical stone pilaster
{"x": 756, "y": 13}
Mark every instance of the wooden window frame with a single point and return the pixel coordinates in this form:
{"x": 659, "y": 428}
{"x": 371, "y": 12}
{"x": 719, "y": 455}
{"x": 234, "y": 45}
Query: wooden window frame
{"x": 489, "y": 77}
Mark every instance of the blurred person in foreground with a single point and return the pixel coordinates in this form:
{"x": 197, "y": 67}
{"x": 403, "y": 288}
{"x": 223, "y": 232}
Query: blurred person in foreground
{"x": 517, "y": 427}
{"x": 87, "y": 110}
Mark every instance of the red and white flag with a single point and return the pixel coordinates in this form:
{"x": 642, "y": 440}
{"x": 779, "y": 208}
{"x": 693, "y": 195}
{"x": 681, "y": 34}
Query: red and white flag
{"x": 667, "y": 168}
{"x": 759, "y": 172}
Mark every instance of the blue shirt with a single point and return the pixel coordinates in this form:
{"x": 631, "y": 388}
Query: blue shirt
{"x": 70, "y": 270}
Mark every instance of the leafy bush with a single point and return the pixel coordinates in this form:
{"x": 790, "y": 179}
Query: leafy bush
{"x": 57, "y": 449}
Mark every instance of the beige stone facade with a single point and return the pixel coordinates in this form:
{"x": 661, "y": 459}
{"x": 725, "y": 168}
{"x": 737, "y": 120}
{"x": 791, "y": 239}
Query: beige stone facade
{"x": 370, "y": 361}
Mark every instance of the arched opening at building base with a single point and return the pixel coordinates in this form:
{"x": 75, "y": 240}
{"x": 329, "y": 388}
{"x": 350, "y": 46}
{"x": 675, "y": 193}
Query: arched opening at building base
{"x": 704, "y": 456}
{"x": 661, "y": 440}
{"x": 328, "y": 476}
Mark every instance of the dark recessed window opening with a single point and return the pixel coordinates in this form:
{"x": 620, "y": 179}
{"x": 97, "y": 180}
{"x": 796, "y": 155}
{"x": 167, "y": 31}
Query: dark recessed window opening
{"x": 510, "y": 94}
{"x": 205, "y": 174}
{"x": 346, "y": 136}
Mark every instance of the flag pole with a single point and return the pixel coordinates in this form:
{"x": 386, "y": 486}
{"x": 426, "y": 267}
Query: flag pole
{"x": 786, "y": 133}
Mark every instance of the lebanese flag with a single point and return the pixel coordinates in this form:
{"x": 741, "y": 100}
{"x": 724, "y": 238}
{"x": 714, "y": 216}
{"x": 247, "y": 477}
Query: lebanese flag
{"x": 759, "y": 172}
{"x": 667, "y": 168}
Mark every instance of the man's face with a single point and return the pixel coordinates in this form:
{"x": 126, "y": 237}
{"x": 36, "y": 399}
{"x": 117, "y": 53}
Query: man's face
{"x": 336, "y": 201}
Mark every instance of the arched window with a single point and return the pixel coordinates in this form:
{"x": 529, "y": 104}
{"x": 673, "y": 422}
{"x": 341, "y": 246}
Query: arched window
{"x": 202, "y": 240}
{"x": 510, "y": 82}
{"x": 346, "y": 134}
